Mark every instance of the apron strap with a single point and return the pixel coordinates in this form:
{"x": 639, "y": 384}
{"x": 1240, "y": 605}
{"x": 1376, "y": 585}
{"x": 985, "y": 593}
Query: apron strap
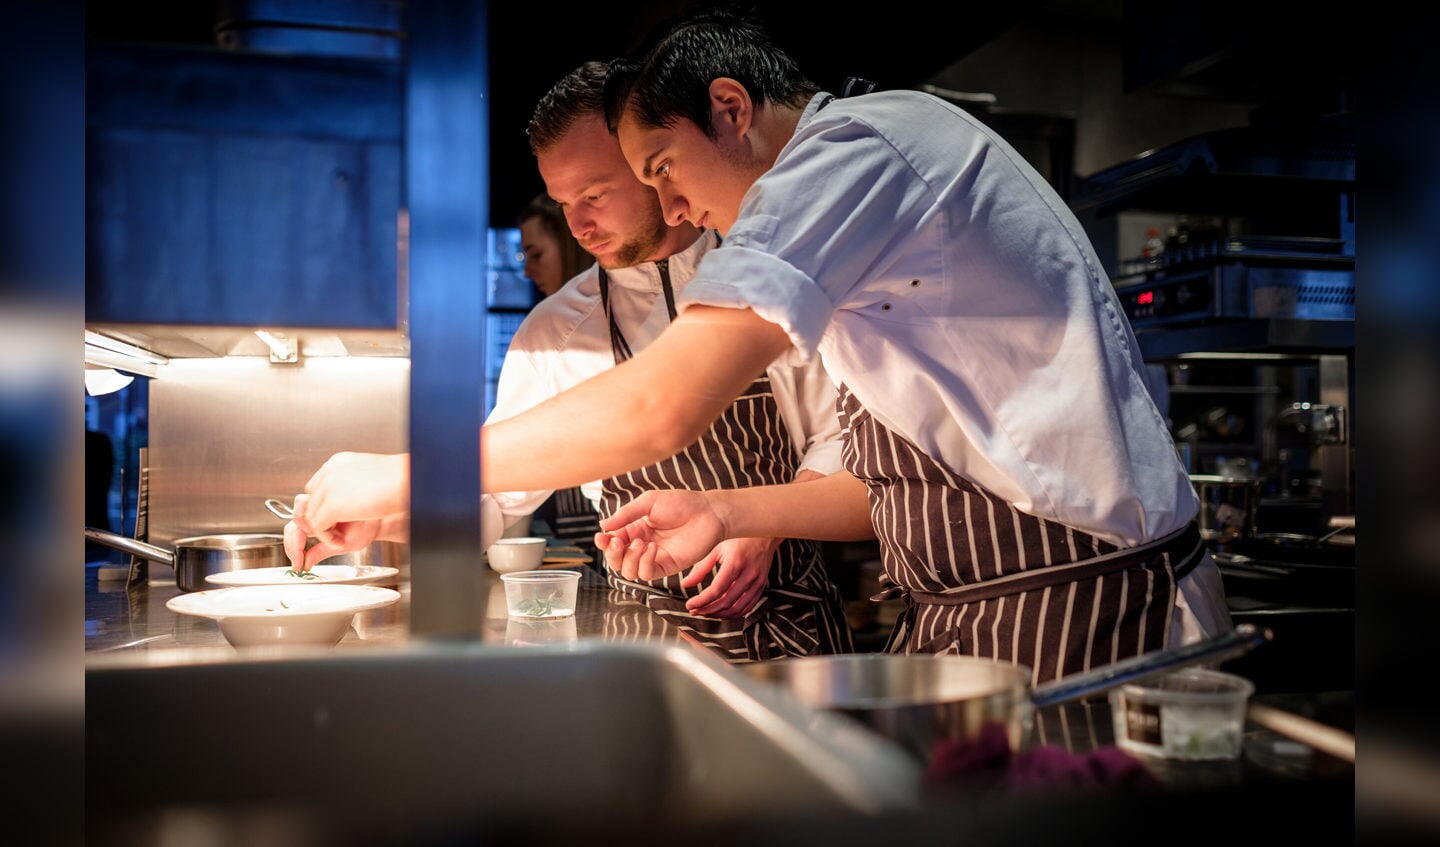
{"x": 619, "y": 347}
{"x": 853, "y": 86}
{"x": 1184, "y": 546}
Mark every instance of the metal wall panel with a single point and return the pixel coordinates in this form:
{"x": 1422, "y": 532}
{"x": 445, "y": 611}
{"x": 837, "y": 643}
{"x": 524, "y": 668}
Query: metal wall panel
{"x": 227, "y": 433}
{"x": 248, "y": 190}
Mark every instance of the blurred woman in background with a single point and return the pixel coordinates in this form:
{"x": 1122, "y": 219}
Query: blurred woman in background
{"x": 552, "y": 255}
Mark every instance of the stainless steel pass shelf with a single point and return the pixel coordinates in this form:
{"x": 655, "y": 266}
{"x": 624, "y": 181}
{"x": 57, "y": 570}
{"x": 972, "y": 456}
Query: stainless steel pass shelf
{"x": 1247, "y": 335}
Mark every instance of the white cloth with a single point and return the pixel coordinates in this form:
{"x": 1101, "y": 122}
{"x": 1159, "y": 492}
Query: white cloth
{"x": 565, "y": 340}
{"x": 942, "y": 279}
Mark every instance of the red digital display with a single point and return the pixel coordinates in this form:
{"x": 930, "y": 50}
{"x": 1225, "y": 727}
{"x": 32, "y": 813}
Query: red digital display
{"x": 1145, "y": 298}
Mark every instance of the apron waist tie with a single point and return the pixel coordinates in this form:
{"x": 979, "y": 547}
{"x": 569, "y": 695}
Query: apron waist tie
{"x": 1185, "y": 547}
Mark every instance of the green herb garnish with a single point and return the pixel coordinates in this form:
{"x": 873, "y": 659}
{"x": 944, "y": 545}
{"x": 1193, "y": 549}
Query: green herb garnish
{"x": 536, "y": 607}
{"x": 302, "y": 574}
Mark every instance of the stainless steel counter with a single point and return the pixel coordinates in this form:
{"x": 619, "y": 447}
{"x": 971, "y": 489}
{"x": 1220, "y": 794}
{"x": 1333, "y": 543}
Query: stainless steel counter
{"x": 132, "y": 626}
{"x": 134, "y": 619}
{"x": 133, "y": 623}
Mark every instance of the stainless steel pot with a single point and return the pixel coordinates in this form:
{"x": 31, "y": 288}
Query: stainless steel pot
{"x": 919, "y": 700}
{"x": 1228, "y": 506}
{"x": 196, "y": 558}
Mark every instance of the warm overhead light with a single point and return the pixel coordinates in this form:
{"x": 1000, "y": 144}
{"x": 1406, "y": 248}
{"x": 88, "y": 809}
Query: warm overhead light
{"x": 105, "y": 352}
{"x": 104, "y": 380}
{"x": 283, "y": 349}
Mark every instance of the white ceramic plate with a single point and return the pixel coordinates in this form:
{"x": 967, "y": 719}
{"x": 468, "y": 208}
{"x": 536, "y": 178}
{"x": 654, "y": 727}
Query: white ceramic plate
{"x": 262, "y": 615}
{"x": 324, "y": 575}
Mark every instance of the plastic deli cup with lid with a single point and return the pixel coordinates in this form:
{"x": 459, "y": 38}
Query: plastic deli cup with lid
{"x": 541, "y": 594}
{"x": 1191, "y": 714}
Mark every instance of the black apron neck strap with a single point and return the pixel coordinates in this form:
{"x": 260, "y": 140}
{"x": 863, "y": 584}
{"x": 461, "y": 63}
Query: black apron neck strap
{"x": 854, "y": 86}
{"x": 618, "y": 345}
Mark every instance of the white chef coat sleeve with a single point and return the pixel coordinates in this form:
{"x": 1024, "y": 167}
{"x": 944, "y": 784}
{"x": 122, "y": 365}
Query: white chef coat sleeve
{"x": 492, "y": 521}
{"x": 806, "y": 398}
{"x": 521, "y": 387}
{"x": 592, "y": 492}
{"x": 805, "y": 242}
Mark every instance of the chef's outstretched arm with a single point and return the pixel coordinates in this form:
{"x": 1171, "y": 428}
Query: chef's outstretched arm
{"x": 664, "y": 532}
{"x": 637, "y": 413}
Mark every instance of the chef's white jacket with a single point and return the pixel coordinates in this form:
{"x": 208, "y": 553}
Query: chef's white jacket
{"x": 943, "y": 280}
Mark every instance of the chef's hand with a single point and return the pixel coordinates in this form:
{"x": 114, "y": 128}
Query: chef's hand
{"x": 340, "y": 538}
{"x": 355, "y": 487}
{"x": 660, "y": 533}
{"x": 743, "y": 576}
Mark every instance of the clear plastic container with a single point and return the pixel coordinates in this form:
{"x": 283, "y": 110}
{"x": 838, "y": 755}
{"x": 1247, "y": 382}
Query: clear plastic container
{"x": 1192, "y": 714}
{"x": 538, "y": 595}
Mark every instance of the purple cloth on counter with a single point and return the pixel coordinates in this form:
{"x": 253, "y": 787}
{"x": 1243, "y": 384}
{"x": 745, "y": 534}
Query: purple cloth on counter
{"x": 987, "y": 762}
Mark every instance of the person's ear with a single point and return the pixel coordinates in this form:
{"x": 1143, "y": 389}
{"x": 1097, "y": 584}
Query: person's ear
{"x": 731, "y": 110}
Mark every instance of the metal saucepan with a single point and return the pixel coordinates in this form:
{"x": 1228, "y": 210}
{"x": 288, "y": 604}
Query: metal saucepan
{"x": 196, "y": 558}
{"x": 919, "y": 700}
{"x": 1228, "y": 506}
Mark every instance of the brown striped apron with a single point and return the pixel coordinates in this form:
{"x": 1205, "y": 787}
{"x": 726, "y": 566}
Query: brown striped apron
{"x": 801, "y": 612}
{"x": 982, "y": 578}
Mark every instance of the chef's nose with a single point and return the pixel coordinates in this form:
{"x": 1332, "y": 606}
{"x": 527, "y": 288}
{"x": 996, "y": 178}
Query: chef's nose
{"x": 674, "y": 207}
{"x": 581, "y": 225}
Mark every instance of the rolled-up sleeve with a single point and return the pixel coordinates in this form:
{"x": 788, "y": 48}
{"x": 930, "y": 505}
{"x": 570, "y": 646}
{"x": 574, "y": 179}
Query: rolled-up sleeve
{"x": 740, "y": 278}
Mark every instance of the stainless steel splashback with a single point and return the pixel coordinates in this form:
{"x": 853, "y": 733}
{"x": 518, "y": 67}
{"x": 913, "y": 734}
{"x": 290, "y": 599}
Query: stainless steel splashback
{"x": 226, "y": 433}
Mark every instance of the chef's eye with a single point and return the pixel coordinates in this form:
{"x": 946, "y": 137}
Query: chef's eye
{"x": 663, "y": 170}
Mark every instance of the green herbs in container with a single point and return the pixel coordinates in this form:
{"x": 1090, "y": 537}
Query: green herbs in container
{"x": 541, "y": 593}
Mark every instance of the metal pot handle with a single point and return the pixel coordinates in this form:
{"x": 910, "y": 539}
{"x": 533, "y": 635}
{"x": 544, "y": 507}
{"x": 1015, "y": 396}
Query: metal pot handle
{"x": 130, "y": 545}
{"x": 280, "y": 509}
{"x": 1233, "y": 643}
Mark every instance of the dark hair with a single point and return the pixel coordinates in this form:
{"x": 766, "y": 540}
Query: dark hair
{"x": 670, "y": 80}
{"x": 573, "y": 258}
{"x": 577, "y": 94}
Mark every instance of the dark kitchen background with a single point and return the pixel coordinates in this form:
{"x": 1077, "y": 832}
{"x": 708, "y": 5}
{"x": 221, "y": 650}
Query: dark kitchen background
{"x": 1154, "y": 71}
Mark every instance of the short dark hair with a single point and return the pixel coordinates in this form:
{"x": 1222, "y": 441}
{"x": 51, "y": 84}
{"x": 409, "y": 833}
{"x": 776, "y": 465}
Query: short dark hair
{"x": 577, "y": 94}
{"x": 670, "y": 80}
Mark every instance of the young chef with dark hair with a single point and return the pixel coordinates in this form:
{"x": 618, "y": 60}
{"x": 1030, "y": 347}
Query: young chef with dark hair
{"x": 748, "y": 599}
{"x": 999, "y": 439}
{"x": 1025, "y": 489}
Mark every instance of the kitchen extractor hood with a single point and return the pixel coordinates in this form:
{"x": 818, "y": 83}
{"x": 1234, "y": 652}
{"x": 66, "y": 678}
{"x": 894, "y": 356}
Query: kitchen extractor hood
{"x": 244, "y": 190}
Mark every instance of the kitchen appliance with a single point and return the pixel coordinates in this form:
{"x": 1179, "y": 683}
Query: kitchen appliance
{"x": 1299, "y": 278}
{"x": 1249, "y": 301}
{"x": 1228, "y": 506}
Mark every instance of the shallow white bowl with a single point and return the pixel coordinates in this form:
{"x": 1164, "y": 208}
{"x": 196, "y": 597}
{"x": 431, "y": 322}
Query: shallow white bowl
{"x": 272, "y": 615}
{"x": 510, "y": 555}
{"x": 324, "y": 575}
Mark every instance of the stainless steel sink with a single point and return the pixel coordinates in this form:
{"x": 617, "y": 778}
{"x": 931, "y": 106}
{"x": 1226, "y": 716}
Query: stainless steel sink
{"x": 466, "y": 738}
